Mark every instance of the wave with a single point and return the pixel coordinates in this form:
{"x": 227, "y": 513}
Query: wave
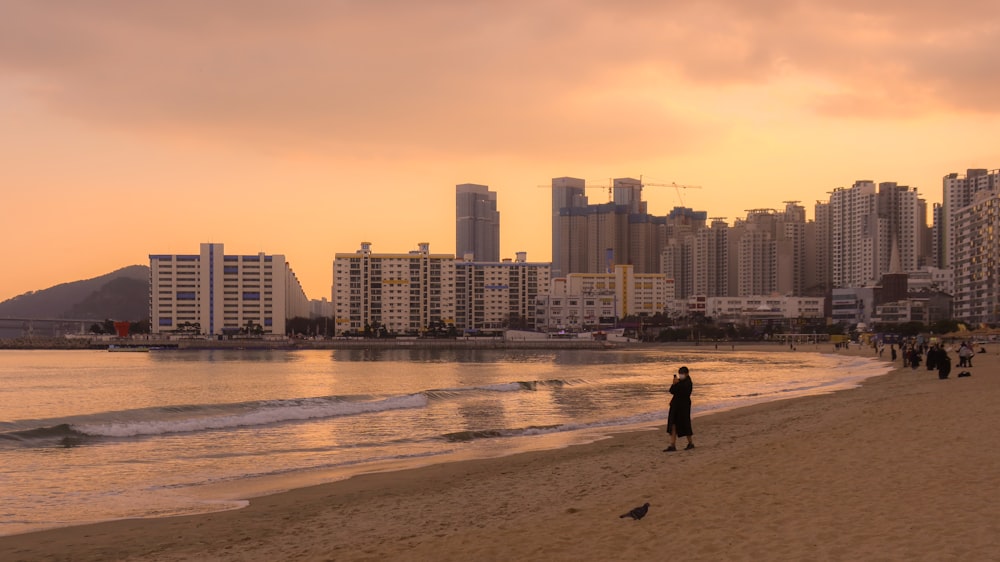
{"x": 515, "y": 386}
{"x": 57, "y": 435}
{"x": 189, "y": 418}
{"x": 271, "y": 412}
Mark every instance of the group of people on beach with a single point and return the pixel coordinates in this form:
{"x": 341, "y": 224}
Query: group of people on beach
{"x": 913, "y": 354}
{"x": 935, "y": 355}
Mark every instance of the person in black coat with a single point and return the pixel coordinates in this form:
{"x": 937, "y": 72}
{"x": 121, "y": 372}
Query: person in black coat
{"x": 679, "y": 415}
{"x": 943, "y": 363}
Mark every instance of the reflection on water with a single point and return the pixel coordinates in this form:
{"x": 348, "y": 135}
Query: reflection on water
{"x": 153, "y": 426}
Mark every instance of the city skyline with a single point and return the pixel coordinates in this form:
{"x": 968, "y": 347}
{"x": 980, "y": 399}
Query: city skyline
{"x": 304, "y": 129}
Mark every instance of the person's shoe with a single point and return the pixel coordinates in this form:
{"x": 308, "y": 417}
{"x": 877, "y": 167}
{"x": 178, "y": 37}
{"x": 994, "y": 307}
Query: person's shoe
{"x": 689, "y": 447}
{"x": 669, "y": 449}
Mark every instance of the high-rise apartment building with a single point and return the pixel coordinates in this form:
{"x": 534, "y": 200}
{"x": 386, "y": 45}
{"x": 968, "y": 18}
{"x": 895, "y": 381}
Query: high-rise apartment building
{"x": 710, "y": 260}
{"x": 854, "y": 235}
{"x": 768, "y": 252}
{"x": 820, "y": 275}
{"x": 975, "y": 257}
{"x": 958, "y": 192}
{"x": 679, "y": 257}
{"x": 567, "y": 193}
{"x": 213, "y": 293}
{"x": 677, "y": 262}
{"x": 870, "y": 227}
{"x": 477, "y": 222}
{"x": 404, "y": 293}
{"x": 938, "y": 236}
{"x": 904, "y": 217}
{"x": 497, "y": 295}
{"x": 595, "y": 238}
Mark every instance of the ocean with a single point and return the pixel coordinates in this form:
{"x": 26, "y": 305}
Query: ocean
{"x": 92, "y": 436}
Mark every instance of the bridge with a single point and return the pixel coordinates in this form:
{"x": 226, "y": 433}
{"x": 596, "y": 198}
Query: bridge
{"x": 12, "y": 327}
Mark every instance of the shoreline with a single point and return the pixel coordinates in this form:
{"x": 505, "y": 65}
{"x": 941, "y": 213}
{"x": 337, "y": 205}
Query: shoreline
{"x": 98, "y": 344}
{"x": 562, "y": 503}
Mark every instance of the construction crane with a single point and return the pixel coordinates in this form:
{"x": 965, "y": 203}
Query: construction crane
{"x": 610, "y": 187}
{"x": 677, "y": 187}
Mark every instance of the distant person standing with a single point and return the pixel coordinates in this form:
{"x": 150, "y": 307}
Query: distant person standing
{"x": 965, "y": 354}
{"x": 943, "y": 363}
{"x": 679, "y": 415}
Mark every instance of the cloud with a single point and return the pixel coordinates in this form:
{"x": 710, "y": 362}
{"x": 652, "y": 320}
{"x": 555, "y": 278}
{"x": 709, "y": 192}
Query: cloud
{"x": 484, "y": 77}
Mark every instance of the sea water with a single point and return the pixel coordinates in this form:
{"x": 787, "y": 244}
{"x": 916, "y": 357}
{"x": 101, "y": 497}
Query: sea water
{"x": 89, "y": 435}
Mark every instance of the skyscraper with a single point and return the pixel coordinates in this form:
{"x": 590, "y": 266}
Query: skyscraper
{"x": 567, "y": 193}
{"x": 820, "y": 275}
{"x": 477, "y": 223}
{"x": 854, "y": 235}
{"x": 868, "y": 226}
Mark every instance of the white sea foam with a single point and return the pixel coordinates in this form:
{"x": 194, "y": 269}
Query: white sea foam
{"x": 267, "y": 414}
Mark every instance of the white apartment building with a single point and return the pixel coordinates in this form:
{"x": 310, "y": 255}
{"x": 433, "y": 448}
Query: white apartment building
{"x": 583, "y": 301}
{"x": 867, "y": 227}
{"x": 976, "y": 258}
{"x": 406, "y": 293}
{"x": 217, "y": 294}
{"x": 498, "y": 295}
{"x": 853, "y": 235}
{"x": 958, "y": 192}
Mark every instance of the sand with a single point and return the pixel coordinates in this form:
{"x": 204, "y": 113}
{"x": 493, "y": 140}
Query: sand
{"x": 902, "y": 468}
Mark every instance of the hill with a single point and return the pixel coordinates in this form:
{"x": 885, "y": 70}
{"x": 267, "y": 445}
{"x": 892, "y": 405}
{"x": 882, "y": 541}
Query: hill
{"x": 119, "y": 295}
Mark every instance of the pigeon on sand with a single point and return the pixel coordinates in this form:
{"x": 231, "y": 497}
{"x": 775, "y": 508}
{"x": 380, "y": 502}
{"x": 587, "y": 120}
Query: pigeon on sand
{"x": 638, "y": 512}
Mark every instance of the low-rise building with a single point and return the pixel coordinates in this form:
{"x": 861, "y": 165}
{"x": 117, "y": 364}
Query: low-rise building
{"x": 853, "y": 305}
{"x": 926, "y": 307}
{"x": 744, "y": 310}
{"x": 587, "y": 301}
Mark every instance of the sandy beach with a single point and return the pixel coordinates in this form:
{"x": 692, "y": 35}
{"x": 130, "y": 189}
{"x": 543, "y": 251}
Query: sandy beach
{"x": 899, "y": 469}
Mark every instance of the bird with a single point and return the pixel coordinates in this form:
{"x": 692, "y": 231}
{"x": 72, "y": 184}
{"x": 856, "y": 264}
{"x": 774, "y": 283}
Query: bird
{"x": 637, "y": 513}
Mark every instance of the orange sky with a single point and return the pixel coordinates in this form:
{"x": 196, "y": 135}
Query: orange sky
{"x": 303, "y": 128}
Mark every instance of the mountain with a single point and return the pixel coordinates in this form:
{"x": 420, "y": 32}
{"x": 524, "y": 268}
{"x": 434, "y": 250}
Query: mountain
{"x": 119, "y": 295}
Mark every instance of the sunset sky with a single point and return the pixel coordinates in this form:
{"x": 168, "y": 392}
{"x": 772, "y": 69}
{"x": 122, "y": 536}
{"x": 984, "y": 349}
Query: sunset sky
{"x": 305, "y": 127}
